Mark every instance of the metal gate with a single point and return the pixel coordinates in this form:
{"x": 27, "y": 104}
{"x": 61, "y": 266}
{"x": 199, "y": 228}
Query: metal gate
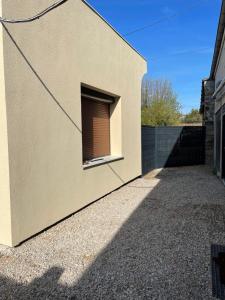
{"x": 172, "y": 146}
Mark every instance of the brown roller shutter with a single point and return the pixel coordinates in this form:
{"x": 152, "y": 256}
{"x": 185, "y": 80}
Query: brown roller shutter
{"x": 95, "y": 129}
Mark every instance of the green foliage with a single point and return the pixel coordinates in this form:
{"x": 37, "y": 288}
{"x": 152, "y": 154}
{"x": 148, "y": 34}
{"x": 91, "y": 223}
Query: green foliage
{"x": 193, "y": 117}
{"x": 160, "y": 106}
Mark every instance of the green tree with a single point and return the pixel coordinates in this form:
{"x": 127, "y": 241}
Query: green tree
{"x": 160, "y": 106}
{"x": 193, "y": 117}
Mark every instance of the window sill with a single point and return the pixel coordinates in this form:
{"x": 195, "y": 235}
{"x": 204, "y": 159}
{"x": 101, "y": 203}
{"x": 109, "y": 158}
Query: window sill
{"x": 101, "y": 161}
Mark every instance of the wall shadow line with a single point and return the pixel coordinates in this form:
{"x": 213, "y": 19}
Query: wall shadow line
{"x": 39, "y": 78}
{"x": 50, "y": 92}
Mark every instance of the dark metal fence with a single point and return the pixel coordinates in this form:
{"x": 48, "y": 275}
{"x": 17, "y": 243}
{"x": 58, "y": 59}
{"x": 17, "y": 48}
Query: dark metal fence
{"x": 172, "y": 146}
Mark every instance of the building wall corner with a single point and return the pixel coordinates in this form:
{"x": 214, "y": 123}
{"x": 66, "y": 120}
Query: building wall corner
{"x": 5, "y": 201}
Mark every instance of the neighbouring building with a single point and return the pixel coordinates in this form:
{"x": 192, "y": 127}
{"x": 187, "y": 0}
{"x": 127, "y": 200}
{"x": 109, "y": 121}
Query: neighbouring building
{"x": 207, "y": 111}
{"x": 213, "y": 103}
{"x": 70, "y": 114}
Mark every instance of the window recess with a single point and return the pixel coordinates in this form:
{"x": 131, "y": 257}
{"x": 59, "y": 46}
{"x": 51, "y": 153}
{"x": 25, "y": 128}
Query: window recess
{"x": 96, "y": 96}
{"x": 95, "y": 124}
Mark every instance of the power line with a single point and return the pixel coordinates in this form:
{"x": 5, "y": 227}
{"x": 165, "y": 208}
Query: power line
{"x": 162, "y": 19}
{"x": 36, "y": 17}
{"x": 196, "y": 51}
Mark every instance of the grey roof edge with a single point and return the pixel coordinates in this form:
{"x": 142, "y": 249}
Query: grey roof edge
{"x": 100, "y": 16}
{"x": 219, "y": 39}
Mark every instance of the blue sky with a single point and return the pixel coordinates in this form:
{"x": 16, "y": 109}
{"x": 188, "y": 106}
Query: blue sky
{"x": 179, "y": 49}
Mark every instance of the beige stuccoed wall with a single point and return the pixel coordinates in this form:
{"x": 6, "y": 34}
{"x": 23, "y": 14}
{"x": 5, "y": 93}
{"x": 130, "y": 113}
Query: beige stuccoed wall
{"x": 70, "y": 45}
{"x": 5, "y": 205}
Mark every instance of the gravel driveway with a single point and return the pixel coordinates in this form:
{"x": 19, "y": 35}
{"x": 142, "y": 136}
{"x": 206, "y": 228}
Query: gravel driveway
{"x": 151, "y": 239}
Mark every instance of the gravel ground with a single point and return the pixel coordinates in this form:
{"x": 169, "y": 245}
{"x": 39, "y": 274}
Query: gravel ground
{"x": 150, "y": 239}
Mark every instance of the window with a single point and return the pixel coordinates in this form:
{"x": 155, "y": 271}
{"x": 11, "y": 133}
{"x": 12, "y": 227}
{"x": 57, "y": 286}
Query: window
{"x": 95, "y": 123}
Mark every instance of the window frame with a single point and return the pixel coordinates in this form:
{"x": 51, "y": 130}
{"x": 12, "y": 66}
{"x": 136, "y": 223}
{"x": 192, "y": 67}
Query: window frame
{"x": 97, "y": 95}
{"x": 115, "y": 105}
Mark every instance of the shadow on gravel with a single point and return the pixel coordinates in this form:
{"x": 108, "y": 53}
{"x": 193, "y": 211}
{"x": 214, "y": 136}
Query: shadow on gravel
{"x": 161, "y": 252}
{"x": 218, "y": 271}
{"x": 40, "y": 288}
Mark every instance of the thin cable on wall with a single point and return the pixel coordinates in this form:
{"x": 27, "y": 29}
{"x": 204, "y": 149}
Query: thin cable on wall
{"x": 36, "y": 17}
